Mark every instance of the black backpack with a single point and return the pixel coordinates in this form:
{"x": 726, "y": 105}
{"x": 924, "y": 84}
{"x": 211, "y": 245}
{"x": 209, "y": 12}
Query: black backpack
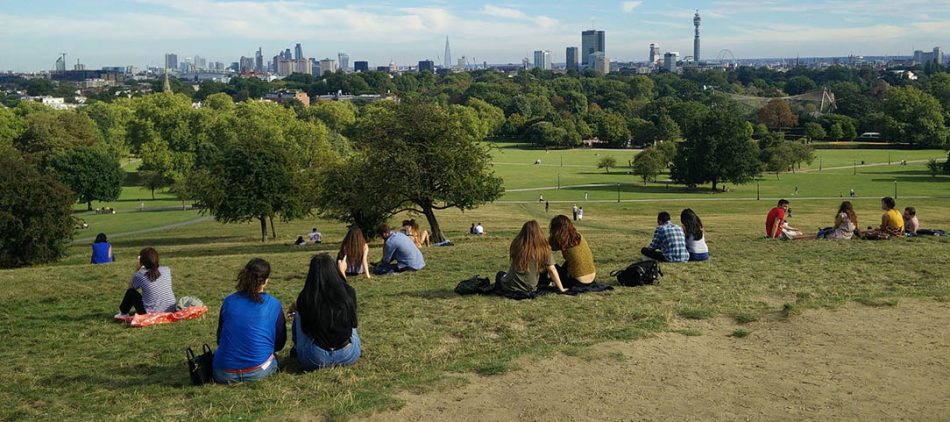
{"x": 474, "y": 285}
{"x": 639, "y": 274}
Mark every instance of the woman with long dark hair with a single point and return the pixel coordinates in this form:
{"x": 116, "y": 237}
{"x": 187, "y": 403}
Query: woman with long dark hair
{"x": 531, "y": 256}
{"x": 155, "y": 281}
{"x": 355, "y": 251}
{"x": 102, "y": 250}
{"x": 324, "y": 328}
{"x": 846, "y": 222}
{"x": 251, "y": 327}
{"x": 695, "y": 235}
{"x": 578, "y": 265}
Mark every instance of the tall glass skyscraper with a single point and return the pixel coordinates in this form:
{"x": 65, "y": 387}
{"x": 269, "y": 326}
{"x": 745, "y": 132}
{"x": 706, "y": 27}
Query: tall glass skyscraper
{"x": 592, "y": 41}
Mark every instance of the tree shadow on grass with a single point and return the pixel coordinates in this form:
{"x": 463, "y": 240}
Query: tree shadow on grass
{"x": 653, "y": 188}
{"x": 174, "y": 241}
{"x": 914, "y": 179}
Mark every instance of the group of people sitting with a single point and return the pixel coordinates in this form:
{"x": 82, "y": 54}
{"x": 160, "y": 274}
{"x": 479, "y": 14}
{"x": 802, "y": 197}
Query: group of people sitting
{"x": 893, "y": 223}
{"x": 672, "y": 243}
{"x": 532, "y": 258}
{"x": 477, "y": 229}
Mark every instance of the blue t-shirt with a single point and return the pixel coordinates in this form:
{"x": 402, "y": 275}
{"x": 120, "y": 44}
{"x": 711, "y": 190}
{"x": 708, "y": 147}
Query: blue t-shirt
{"x": 248, "y": 331}
{"x": 404, "y": 250}
{"x": 100, "y": 253}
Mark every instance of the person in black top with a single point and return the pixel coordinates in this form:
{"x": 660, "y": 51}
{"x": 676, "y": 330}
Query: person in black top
{"x": 325, "y": 322}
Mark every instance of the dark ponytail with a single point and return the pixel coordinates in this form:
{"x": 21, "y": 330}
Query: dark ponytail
{"x": 149, "y": 259}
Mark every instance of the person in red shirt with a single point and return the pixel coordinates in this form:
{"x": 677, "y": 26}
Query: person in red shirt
{"x": 773, "y": 222}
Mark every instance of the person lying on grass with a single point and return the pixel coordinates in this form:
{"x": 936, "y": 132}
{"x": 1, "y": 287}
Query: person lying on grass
{"x": 695, "y": 235}
{"x": 156, "y": 284}
{"x": 355, "y": 253}
{"x": 251, "y": 327}
{"x": 530, "y": 256}
{"x": 669, "y": 242}
{"x": 578, "y": 265}
{"x": 400, "y": 248}
{"x": 324, "y": 327}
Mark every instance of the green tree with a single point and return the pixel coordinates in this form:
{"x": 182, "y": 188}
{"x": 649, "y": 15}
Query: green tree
{"x": 777, "y": 158}
{"x": 648, "y": 164}
{"x": 153, "y": 180}
{"x": 355, "y": 191}
{"x": 667, "y": 129}
{"x": 801, "y": 152}
{"x": 613, "y": 130}
{"x": 36, "y": 222}
{"x": 434, "y": 163}
{"x": 49, "y": 131}
{"x": 11, "y": 126}
{"x": 491, "y": 117}
{"x": 777, "y": 114}
{"x": 918, "y": 118}
{"x": 339, "y": 116}
{"x": 606, "y": 163}
{"x": 719, "y": 148}
{"x": 112, "y": 120}
{"x": 814, "y": 131}
{"x": 799, "y": 85}
{"x": 91, "y": 173}
{"x": 933, "y": 167}
{"x": 836, "y": 133}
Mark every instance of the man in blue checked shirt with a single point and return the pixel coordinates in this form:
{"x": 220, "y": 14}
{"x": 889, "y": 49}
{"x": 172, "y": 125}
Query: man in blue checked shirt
{"x": 669, "y": 242}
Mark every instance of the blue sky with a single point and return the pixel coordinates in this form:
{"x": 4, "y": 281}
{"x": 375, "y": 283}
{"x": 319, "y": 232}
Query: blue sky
{"x": 138, "y": 32}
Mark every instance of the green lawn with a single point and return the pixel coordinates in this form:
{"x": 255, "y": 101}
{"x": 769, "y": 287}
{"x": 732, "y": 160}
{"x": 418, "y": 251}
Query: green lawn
{"x": 65, "y": 358}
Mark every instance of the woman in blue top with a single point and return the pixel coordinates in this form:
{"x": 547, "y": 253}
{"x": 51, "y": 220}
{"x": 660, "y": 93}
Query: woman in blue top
{"x": 325, "y": 324}
{"x": 102, "y": 250}
{"x": 251, "y": 327}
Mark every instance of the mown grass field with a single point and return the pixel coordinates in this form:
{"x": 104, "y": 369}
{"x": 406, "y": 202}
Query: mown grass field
{"x": 65, "y": 359}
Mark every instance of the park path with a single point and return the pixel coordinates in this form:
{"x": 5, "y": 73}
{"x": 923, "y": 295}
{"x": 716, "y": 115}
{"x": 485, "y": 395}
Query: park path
{"x": 148, "y": 230}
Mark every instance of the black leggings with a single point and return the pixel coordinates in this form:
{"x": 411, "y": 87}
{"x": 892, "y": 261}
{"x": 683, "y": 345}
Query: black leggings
{"x": 653, "y": 254}
{"x": 132, "y": 299}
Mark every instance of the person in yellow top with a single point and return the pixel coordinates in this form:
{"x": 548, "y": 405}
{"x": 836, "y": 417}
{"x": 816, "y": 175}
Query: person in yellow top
{"x": 892, "y": 222}
{"x": 578, "y": 265}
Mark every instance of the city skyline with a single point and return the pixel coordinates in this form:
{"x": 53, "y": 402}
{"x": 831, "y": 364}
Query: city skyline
{"x": 140, "y": 32}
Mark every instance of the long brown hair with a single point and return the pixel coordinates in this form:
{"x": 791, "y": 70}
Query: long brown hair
{"x": 563, "y": 234}
{"x": 352, "y": 247}
{"x": 847, "y": 208}
{"x": 148, "y": 257}
{"x": 252, "y": 277}
{"x": 529, "y": 248}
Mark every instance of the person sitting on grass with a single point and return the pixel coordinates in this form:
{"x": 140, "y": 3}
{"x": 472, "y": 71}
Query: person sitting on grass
{"x": 324, "y": 327}
{"x": 419, "y": 237}
{"x": 479, "y": 229}
{"x": 846, "y": 224}
{"x": 578, "y": 265}
{"x": 398, "y": 247}
{"x": 356, "y": 253}
{"x": 156, "y": 284}
{"x": 300, "y": 241}
{"x": 530, "y": 256}
{"x": 774, "y": 220}
{"x": 911, "y": 224}
{"x": 251, "y": 327}
{"x": 669, "y": 242}
{"x": 695, "y": 235}
{"x": 102, "y": 250}
{"x": 315, "y": 237}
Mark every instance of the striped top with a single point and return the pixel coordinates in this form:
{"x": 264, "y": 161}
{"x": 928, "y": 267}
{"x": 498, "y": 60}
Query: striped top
{"x": 156, "y": 295}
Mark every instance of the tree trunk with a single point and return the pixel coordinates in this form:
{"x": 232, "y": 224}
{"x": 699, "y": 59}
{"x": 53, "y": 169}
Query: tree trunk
{"x": 263, "y": 228}
{"x": 435, "y": 232}
{"x": 153, "y": 194}
{"x": 88, "y": 205}
{"x": 714, "y": 182}
{"x": 273, "y": 231}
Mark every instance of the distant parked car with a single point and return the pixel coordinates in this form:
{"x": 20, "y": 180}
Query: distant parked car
{"x": 869, "y": 135}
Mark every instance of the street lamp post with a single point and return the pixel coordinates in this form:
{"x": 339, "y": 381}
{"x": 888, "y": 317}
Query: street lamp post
{"x": 757, "y": 196}
{"x": 558, "y": 180}
{"x": 854, "y": 165}
{"x": 895, "y": 188}
{"x": 618, "y": 193}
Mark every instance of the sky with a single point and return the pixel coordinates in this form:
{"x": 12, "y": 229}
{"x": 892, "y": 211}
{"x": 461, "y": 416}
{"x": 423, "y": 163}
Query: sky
{"x": 138, "y": 32}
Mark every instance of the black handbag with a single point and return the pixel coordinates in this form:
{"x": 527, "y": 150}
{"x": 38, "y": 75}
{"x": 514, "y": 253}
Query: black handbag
{"x": 199, "y": 367}
{"x": 639, "y": 274}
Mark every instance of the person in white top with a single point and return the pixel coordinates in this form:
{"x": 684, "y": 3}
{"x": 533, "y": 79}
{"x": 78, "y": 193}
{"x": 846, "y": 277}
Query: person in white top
{"x": 695, "y": 235}
{"x": 580, "y": 213}
{"x": 479, "y": 229}
{"x": 315, "y": 236}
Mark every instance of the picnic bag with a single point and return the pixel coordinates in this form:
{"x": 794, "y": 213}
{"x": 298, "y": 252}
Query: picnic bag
{"x": 199, "y": 367}
{"x": 639, "y": 274}
{"x": 473, "y": 285}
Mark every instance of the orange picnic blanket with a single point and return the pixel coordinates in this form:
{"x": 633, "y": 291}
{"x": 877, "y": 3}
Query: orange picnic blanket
{"x": 145, "y": 320}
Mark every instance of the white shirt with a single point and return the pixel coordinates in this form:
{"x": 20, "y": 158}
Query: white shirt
{"x": 315, "y": 237}
{"x": 479, "y": 229}
{"x": 696, "y": 246}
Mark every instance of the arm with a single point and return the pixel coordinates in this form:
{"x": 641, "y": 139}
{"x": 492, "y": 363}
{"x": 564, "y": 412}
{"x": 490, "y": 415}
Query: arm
{"x": 775, "y": 228}
{"x": 884, "y": 221}
{"x": 220, "y": 320}
{"x": 388, "y": 252}
{"x": 366, "y": 261}
{"x": 552, "y": 272}
{"x": 111, "y": 256}
{"x": 281, "y": 339}
{"x": 656, "y": 239}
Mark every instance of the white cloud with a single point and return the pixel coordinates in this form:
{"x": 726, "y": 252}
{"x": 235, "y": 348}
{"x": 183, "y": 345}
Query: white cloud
{"x": 629, "y": 6}
{"x": 503, "y": 12}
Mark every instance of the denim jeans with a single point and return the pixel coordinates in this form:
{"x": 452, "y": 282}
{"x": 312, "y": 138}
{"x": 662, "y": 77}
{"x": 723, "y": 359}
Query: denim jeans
{"x": 223, "y": 377}
{"x": 313, "y": 357}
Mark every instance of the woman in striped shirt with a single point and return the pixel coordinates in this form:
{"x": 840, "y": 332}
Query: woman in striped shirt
{"x": 155, "y": 281}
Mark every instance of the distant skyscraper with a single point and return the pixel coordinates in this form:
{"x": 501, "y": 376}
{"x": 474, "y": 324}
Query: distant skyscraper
{"x": 696, "y": 21}
{"x": 360, "y": 66}
{"x": 669, "y": 61}
{"x": 171, "y": 61}
{"x": 448, "y": 55}
{"x": 938, "y": 55}
{"x": 655, "y": 54}
{"x": 571, "y": 56}
{"x": 259, "y": 61}
{"x": 61, "y": 63}
{"x": 344, "y": 61}
{"x": 592, "y": 41}
{"x": 600, "y": 63}
{"x": 542, "y": 59}
{"x": 327, "y": 66}
{"x": 426, "y": 66}
{"x": 298, "y": 52}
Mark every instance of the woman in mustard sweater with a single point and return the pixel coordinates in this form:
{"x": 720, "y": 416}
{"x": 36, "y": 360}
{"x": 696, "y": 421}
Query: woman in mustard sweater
{"x": 578, "y": 265}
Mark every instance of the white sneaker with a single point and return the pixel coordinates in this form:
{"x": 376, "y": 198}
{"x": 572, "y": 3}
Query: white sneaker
{"x": 121, "y": 315}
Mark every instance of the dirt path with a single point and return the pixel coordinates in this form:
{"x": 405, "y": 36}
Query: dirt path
{"x": 855, "y": 363}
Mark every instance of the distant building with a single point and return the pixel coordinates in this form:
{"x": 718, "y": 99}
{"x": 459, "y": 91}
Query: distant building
{"x": 542, "y": 59}
{"x": 360, "y": 66}
{"x": 447, "y": 58}
{"x": 344, "y": 61}
{"x": 171, "y": 61}
{"x": 669, "y": 61}
{"x": 426, "y": 66}
{"x": 600, "y": 63}
{"x": 571, "y": 56}
{"x": 298, "y": 52}
{"x": 384, "y": 69}
{"x": 654, "y": 56}
{"x": 592, "y": 41}
{"x": 286, "y": 67}
{"x": 935, "y": 56}
{"x": 696, "y": 22}
{"x": 259, "y": 61}
{"x": 287, "y": 96}
{"x": 247, "y": 65}
{"x": 61, "y": 63}
{"x": 327, "y": 66}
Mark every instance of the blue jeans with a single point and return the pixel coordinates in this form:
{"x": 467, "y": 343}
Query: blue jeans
{"x": 698, "y": 256}
{"x": 313, "y": 357}
{"x": 223, "y": 377}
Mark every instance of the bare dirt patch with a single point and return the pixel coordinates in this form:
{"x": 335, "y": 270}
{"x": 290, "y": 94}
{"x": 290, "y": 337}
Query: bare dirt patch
{"x": 855, "y": 362}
